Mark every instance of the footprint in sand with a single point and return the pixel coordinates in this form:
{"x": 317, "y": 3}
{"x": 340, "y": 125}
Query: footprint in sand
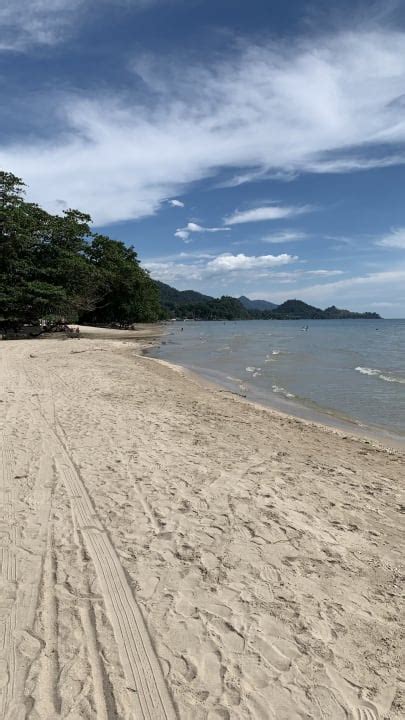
{"x": 28, "y": 644}
{"x": 278, "y": 653}
{"x": 361, "y": 709}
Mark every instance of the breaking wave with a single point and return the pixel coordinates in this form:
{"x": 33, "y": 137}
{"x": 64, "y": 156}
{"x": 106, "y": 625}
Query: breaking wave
{"x": 282, "y": 391}
{"x": 380, "y": 374}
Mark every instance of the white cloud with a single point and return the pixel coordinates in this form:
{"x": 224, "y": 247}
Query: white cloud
{"x": 176, "y": 203}
{"x": 324, "y": 273}
{"x": 228, "y": 262}
{"x": 394, "y": 239}
{"x": 241, "y": 274}
{"x": 317, "y": 104}
{"x": 268, "y": 212}
{"x": 182, "y": 234}
{"x": 191, "y": 227}
{"x": 282, "y": 237}
{"x": 205, "y": 266}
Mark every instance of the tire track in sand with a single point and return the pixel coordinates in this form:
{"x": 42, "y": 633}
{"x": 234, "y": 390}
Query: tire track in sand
{"x": 149, "y": 695}
{"x": 103, "y": 700}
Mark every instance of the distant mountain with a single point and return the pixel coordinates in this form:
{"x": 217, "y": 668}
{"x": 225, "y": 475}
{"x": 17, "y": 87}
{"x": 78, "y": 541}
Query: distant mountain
{"x": 256, "y": 304}
{"x": 299, "y": 310}
{"x": 169, "y": 296}
{"x": 190, "y": 304}
{"x": 334, "y": 312}
{"x": 194, "y": 305}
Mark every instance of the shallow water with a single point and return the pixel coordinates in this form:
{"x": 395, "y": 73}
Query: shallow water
{"x": 351, "y": 370}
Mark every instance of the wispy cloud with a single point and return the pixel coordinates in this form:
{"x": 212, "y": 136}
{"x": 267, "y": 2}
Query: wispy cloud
{"x": 176, "y": 203}
{"x": 268, "y": 212}
{"x": 194, "y": 227}
{"x": 39, "y": 22}
{"x": 315, "y": 105}
{"x": 256, "y": 176}
{"x": 353, "y": 163}
{"x": 284, "y": 237}
{"x": 323, "y": 273}
{"x": 191, "y": 227}
{"x": 394, "y": 239}
{"x": 182, "y": 256}
{"x": 353, "y": 291}
{"x": 24, "y": 23}
{"x": 384, "y": 304}
{"x": 292, "y": 276}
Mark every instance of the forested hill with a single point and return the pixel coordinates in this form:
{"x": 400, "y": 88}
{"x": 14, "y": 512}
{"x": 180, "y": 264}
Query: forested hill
{"x": 256, "y": 304}
{"x": 299, "y": 310}
{"x": 190, "y": 304}
{"x": 170, "y": 297}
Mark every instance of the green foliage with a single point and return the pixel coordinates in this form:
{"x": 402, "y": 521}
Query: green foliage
{"x": 171, "y": 298}
{"x": 190, "y": 304}
{"x": 295, "y": 310}
{"x": 127, "y": 293}
{"x": 53, "y": 266}
{"x": 256, "y": 304}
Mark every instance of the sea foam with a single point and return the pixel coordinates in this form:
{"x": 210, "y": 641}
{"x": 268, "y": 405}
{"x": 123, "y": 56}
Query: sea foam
{"x": 282, "y": 391}
{"x": 380, "y": 374}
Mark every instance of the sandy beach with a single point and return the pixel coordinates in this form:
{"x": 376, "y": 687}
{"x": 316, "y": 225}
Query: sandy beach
{"x": 169, "y": 550}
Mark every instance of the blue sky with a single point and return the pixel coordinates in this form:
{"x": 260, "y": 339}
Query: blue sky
{"x": 249, "y": 148}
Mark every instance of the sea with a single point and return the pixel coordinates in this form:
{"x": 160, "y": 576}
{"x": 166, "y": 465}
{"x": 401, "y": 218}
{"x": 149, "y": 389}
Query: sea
{"x": 346, "y": 373}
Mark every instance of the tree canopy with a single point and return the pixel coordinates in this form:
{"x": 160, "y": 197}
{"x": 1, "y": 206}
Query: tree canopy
{"x": 54, "y": 266}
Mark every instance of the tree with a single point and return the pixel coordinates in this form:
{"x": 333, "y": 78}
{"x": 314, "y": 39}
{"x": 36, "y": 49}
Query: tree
{"x": 127, "y": 293}
{"x": 42, "y": 261}
{"x": 55, "y": 266}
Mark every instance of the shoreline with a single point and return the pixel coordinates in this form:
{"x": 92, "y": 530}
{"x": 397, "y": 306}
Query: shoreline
{"x": 319, "y": 418}
{"x": 341, "y": 428}
{"x": 141, "y": 331}
{"x": 150, "y": 335}
{"x": 262, "y": 554}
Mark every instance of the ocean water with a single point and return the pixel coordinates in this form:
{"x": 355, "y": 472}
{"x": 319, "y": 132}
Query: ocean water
{"x": 338, "y": 371}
